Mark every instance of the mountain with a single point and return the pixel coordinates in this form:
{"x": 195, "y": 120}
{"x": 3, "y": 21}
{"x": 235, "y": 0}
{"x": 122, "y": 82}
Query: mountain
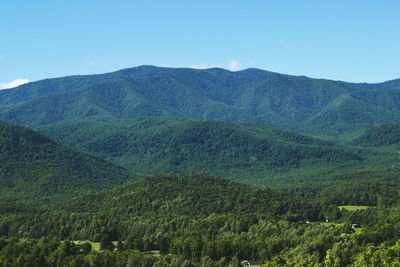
{"x": 373, "y": 86}
{"x": 247, "y": 151}
{"x": 297, "y": 103}
{"x": 383, "y": 135}
{"x": 32, "y": 165}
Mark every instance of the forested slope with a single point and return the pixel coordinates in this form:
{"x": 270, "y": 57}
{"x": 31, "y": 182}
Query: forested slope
{"x": 33, "y": 165}
{"x": 169, "y": 220}
{"x": 165, "y": 145}
{"x": 191, "y": 195}
{"x": 383, "y": 135}
{"x": 313, "y": 106}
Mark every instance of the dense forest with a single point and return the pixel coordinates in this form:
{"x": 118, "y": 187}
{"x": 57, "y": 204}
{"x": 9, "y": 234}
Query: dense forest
{"x": 34, "y": 165}
{"x": 171, "y": 167}
{"x": 177, "y": 220}
{"x": 245, "y": 152}
{"x": 383, "y": 135}
{"x": 311, "y": 106}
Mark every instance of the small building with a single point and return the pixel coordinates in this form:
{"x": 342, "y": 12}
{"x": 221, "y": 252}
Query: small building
{"x": 246, "y": 263}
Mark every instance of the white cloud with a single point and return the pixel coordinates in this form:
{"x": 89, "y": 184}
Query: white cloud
{"x": 234, "y": 65}
{"x": 165, "y": 65}
{"x": 13, "y": 84}
{"x": 89, "y": 62}
{"x": 204, "y": 66}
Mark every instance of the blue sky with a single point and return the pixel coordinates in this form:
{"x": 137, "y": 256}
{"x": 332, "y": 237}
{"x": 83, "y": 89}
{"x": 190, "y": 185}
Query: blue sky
{"x": 342, "y": 40}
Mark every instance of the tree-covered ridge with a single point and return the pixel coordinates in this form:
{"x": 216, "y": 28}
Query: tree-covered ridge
{"x": 383, "y": 135}
{"x": 34, "y": 165}
{"x": 193, "y": 220}
{"x": 189, "y": 216}
{"x": 50, "y": 194}
{"x": 314, "y": 106}
{"x": 193, "y": 195}
{"x": 47, "y": 87}
{"x": 158, "y": 145}
{"x": 373, "y": 86}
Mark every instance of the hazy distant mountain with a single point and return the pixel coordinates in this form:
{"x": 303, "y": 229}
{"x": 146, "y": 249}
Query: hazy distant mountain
{"x": 313, "y": 106}
{"x": 372, "y": 86}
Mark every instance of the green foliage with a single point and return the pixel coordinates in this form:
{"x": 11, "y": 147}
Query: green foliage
{"x": 170, "y": 220}
{"x": 382, "y": 255}
{"x": 33, "y": 165}
{"x": 383, "y": 190}
{"x": 313, "y": 106}
{"x": 384, "y": 135}
{"x": 51, "y": 194}
{"x": 194, "y": 217}
{"x": 106, "y": 242}
{"x": 247, "y": 152}
{"x": 165, "y": 145}
{"x": 192, "y": 195}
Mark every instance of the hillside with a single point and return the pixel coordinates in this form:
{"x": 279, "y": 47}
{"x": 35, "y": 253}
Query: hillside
{"x": 297, "y": 103}
{"x": 191, "y": 216}
{"x": 33, "y": 165}
{"x": 151, "y": 145}
{"x": 187, "y": 195}
{"x": 166, "y": 199}
{"x": 167, "y": 219}
{"x": 383, "y": 135}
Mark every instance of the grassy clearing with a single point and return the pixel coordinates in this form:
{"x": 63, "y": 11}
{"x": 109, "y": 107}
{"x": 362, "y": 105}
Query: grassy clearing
{"x": 155, "y": 253}
{"x": 95, "y": 245}
{"x": 358, "y": 230}
{"x": 331, "y": 224}
{"x": 353, "y": 207}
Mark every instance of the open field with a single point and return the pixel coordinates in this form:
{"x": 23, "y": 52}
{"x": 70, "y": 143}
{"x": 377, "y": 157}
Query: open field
{"x": 95, "y": 245}
{"x": 353, "y": 207}
{"x": 358, "y": 230}
{"x": 331, "y": 223}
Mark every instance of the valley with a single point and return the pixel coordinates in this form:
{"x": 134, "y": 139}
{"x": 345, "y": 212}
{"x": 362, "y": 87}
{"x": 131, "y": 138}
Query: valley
{"x": 181, "y": 167}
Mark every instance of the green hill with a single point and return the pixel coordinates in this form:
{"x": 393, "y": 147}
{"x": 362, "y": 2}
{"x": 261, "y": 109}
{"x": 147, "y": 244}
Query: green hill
{"x": 383, "y": 135}
{"x": 297, "y": 103}
{"x": 33, "y": 165}
{"x": 167, "y": 216}
{"x": 164, "y": 195}
{"x": 165, "y": 145}
{"x": 153, "y": 201}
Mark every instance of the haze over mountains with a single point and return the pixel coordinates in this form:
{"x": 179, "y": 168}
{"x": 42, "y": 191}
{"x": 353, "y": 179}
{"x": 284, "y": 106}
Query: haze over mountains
{"x": 297, "y": 103}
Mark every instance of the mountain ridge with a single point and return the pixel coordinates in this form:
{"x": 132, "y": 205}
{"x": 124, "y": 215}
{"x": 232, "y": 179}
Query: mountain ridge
{"x": 295, "y": 103}
{"x": 150, "y": 145}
